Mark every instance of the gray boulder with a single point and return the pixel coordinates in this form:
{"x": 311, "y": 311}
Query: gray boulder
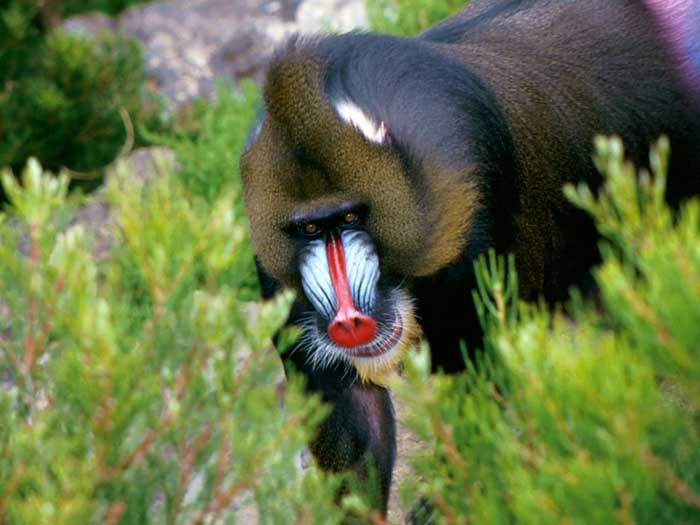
{"x": 190, "y": 43}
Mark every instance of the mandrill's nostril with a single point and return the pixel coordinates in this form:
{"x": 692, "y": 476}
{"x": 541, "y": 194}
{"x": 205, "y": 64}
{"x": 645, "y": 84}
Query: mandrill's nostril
{"x": 352, "y": 328}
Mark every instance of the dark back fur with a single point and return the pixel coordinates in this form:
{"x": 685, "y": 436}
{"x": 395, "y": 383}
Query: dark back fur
{"x": 562, "y": 72}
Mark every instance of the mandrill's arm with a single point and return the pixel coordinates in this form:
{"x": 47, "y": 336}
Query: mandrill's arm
{"x": 359, "y": 435}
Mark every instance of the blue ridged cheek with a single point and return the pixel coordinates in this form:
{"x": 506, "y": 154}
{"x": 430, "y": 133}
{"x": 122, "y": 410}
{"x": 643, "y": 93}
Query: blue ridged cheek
{"x": 316, "y": 278}
{"x": 361, "y": 267}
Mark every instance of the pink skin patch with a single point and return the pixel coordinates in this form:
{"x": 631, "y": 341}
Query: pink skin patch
{"x": 350, "y": 327}
{"x": 680, "y": 23}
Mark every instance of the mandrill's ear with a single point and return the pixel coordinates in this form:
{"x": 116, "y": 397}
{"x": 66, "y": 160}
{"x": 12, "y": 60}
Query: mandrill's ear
{"x": 352, "y": 114}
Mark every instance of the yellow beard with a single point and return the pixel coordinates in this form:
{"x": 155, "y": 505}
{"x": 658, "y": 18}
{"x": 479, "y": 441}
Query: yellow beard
{"x": 379, "y": 370}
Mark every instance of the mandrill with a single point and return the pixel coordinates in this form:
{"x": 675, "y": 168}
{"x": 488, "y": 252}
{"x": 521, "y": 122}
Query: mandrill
{"x": 381, "y": 167}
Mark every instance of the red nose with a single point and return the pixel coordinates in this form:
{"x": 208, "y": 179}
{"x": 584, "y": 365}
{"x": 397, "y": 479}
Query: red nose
{"x": 351, "y": 328}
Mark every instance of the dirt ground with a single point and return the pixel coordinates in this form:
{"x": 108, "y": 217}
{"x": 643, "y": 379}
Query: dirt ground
{"x": 407, "y": 444}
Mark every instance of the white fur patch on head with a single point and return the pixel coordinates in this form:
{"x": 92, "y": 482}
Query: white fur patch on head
{"x": 358, "y": 119}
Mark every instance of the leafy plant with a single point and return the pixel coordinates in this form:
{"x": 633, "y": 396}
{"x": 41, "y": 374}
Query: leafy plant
{"x": 72, "y": 101}
{"x": 141, "y": 388}
{"x": 209, "y": 142}
{"x": 111, "y": 7}
{"x": 586, "y": 420}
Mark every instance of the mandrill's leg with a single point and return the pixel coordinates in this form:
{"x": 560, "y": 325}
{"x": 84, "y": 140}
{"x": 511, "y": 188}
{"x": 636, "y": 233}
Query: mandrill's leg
{"x": 359, "y": 435}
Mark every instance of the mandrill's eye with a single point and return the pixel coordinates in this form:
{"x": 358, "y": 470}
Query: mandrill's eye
{"x": 350, "y": 218}
{"x": 311, "y": 228}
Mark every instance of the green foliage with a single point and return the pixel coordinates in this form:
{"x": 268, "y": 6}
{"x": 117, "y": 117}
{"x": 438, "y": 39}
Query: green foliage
{"x": 110, "y": 7}
{"x": 409, "y": 17}
{"x": 140, "y": 387}
{"x": 586, "y": 420}
{"x": 208, "y": 141}
{"x": 71, "y": 101}
{"x": 651, "y": 280}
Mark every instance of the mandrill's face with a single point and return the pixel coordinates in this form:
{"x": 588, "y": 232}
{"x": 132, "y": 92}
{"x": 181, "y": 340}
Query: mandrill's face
{"x": 359, "y": 314}
{"x": 318, "y": 234}
{"x": 336, "y": 214}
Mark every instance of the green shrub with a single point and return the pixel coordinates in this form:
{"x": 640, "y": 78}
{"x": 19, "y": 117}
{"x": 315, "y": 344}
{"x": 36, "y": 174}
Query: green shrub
{"x": 590, "y": 420}
{"x": 409, "y": 17}
{"x": 141, "y": 388}
{"x": 110, "y": 7}
{"x": 71, "y": 101}
{"x": 208, "y": 140}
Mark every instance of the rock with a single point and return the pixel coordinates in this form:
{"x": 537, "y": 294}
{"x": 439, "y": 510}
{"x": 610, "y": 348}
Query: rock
{"x": 244, "y": 55}
{"x": 90, "y": 24}
{"x": 145, "y": 163}
{"x": 94, "y": 217}
{"x": 190, "y": 43}
{"x": 335, "y": 15}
